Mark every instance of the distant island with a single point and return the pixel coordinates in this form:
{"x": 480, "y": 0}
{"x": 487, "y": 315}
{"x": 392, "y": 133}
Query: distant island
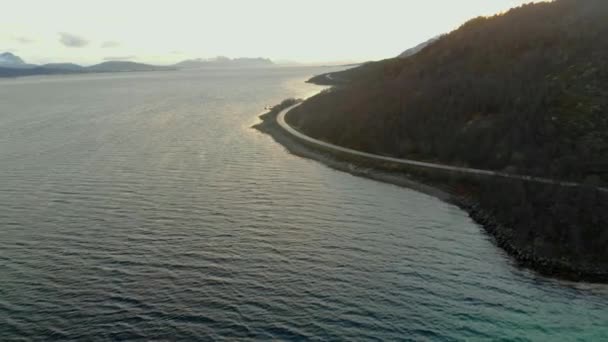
{"x": 522, "y": 92}
{"x": 14, "y": 66}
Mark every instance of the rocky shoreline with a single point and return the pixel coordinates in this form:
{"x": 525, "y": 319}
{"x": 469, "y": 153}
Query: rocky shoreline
{"x": 502, "y": 236}
{"x": 552, "y": 268}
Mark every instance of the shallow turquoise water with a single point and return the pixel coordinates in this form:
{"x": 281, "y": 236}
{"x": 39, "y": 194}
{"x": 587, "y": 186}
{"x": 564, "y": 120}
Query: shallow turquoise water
{"x": 142, "y": 206}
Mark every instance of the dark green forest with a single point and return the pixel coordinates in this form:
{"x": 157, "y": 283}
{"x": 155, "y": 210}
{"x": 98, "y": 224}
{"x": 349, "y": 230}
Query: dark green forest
{"x": 524, "y": 92}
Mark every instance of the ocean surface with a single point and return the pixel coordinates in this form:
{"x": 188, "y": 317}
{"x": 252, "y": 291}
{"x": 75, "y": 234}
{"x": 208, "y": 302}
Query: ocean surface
{"x": 142, "y": 206}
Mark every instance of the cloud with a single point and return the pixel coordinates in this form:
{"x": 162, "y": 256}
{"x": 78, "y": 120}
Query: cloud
{"x": 118, "y": 58}
{"x": 109, "y": 44}
{"x": 23, "y": 40}
{"x": 71, "y": 40}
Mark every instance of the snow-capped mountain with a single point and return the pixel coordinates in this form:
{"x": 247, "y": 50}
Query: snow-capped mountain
{"x": 9, "y": 60}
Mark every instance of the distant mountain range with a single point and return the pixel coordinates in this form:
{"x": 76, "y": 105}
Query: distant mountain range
{"x": 14, "y": 66}
{"x": 63, "y": 66}
{"x": 224, "y": 62}
{"x": 124, "y": 66}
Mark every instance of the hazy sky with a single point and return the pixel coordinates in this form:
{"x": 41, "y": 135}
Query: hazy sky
{"x": 162, "y": 31}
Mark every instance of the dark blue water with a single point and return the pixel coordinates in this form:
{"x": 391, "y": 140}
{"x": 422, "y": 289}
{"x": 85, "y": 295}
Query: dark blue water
{"x": 143, "y": 207}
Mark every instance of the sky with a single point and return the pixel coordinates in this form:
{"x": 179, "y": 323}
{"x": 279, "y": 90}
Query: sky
{"x": 165, "y": 32}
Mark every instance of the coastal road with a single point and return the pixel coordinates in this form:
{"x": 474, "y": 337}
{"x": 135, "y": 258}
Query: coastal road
{"x": 409, "y": 162}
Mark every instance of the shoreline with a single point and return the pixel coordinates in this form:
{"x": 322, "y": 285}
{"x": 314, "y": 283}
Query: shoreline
{"x": 433, "y": 186}
{"x": 269, "y": 126}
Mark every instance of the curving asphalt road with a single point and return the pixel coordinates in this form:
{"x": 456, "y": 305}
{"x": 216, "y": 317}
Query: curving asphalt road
{"x": 409, "y": 162}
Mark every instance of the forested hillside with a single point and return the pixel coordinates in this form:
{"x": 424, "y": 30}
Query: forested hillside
{"x": 525, "y": 91}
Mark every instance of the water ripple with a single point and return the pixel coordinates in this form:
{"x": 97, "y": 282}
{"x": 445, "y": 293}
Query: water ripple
{"x": 153, "y": 214}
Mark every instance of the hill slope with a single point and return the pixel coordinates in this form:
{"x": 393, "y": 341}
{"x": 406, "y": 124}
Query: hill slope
{"x": 523, "y": 92}
{"x": 414, "y": 50}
